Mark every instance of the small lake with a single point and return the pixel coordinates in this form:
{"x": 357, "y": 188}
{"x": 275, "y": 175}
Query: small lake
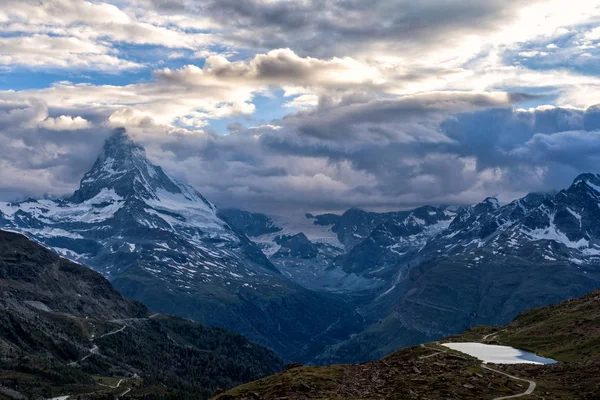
{"x": 489, "y": 353}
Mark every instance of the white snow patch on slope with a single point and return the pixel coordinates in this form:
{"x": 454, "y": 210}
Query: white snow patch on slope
{"x": 576, "y": 215}
{"x": 593, "y": 186}
{"x": 553, "y": 233}
{"x": 99, "y": 208}
{"x": 195, "y": 211}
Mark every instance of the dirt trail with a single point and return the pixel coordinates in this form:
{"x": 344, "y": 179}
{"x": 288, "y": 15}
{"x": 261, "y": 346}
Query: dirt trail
{"x": 530, "y": 389}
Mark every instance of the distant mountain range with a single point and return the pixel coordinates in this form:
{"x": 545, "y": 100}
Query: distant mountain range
{"x": 319, "y": 288}
{"x": 435, "y": 271}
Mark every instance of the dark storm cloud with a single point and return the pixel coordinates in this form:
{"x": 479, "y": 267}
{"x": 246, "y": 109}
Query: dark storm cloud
{"x": 328, "y": 28}
{"x": 393, "y": 154}
{"x": 406, "y": 119}
{"x": 35, "y": 160}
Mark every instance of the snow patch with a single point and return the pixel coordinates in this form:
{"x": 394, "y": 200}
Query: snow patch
{"x": 553, "y": 233}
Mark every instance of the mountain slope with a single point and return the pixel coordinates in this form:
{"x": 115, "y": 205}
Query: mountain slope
{"x": 567, "y": 331}
{"x": 33, "y": 277}
{"x": 161, "y": 242}
{"x": 62, "y": 327}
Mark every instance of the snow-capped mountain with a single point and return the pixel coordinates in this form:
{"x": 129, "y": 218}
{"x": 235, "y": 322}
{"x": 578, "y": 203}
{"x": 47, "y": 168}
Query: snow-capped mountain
{"x": 128, "y": 210}
{"x": 357, "y": 251}
{"x": 298, "y": 284}
{"x": 490, "y": 263}
{"x": 161, "y": 242}
{"x": 568, "y": 224}
{"x": 393, "y": 245}
{"x": 477, "y": 224}
{"x": 310, "y": 249}
{"x": 434, "y": 271}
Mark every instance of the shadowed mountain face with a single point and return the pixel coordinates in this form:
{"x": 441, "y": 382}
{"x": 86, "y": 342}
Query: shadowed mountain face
{"x": 63, "y": 327}
{"x": 161, "y": 242}
{"x": 35, "y": 278}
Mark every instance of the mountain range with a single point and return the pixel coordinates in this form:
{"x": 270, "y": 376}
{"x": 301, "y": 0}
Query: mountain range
{"x": 161, "y": 242}
{"x": 431, "y": 272}
{"x": 319, "y": 288}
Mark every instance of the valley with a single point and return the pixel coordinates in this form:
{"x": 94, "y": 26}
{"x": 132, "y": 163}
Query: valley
{"x": 568, "y": 332}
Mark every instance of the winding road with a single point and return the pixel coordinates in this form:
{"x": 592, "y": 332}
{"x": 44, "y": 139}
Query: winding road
{"x": 491, "y": 335}
{"x": 95, "y": 349}
{"x": 114, "y": 332}
{"x": 530, "y": 389}
{"x": 112, "y": 387}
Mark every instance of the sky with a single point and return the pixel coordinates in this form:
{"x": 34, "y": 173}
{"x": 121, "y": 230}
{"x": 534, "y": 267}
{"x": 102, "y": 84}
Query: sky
{"x": 305, "y": 105}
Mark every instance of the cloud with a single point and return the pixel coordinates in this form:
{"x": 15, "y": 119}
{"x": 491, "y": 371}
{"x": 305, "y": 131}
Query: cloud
{"x": 390, "y": 104}
{"x": 434, "y": 29}
{"x": 190, "y": 96}
{"x": 82, "y": 34}
{"x": 435, "y": 148}
{"x": 48, "y": 51}
{"x": 277, "y": 67}
{"x": 459, "y": 163}
{"x": 157, "y": 102}
{"x": 65, "y": 123}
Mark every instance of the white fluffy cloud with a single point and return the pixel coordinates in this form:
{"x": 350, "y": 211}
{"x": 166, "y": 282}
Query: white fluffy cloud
{"x": 65, "y": 123}
{"x": 82, "y": 34}
{"x": 40, "y": 50}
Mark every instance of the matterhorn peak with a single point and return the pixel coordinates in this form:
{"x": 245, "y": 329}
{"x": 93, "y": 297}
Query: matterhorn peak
{"x": 123, "y": 169}
{"x": 120, "y": 146}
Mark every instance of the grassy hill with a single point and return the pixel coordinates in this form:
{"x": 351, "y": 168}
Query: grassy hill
{"x": 569, "y": 332}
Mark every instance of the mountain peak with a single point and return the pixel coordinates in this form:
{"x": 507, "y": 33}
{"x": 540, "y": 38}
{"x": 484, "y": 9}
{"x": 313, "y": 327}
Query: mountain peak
{"x": 120, "y": 145}
{"x": 487, "y": 205}
{"x": 122, "y": 170}
{"x": 121, "y": 167}
{"x": 491, "y": 201}
{"x": 592, "y": 180}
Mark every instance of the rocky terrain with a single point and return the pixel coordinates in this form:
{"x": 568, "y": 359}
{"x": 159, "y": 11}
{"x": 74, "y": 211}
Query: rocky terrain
{"x": 65, "y": 331}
